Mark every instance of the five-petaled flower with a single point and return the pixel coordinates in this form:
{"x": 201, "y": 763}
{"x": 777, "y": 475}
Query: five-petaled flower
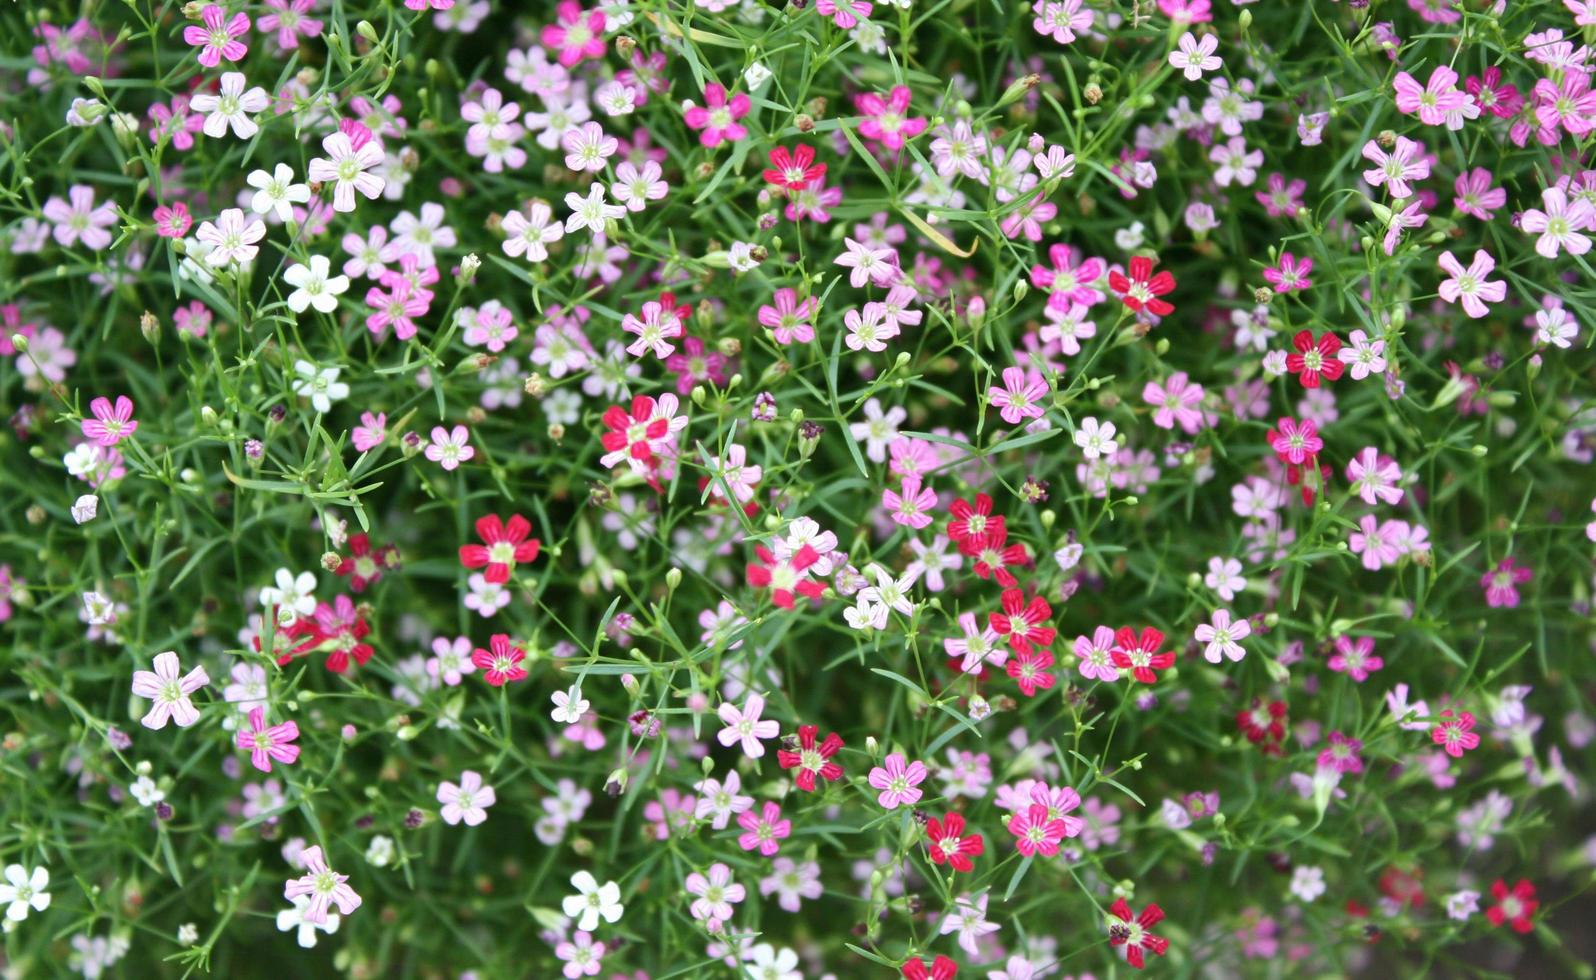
{"x": 169, "y": 688}
{"x": 947, "y": 843}
{"x": 1141, "y": 289}
{"x": 322, "y": 886}
{"x": 1132, "y": 934}
{"x": 505, "y": 544}
{"x": 812, "y": 758}
{"x": 501, "y": 662}
{"x": 267, "y": 743}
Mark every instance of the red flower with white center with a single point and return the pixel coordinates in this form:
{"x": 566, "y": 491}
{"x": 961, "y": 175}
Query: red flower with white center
{"x": 501, "y": 662}
{"x": 297, "y": 639}
{"x": 785, "y": 576}
{"x": 1298, "y": 443}
{"x": 794, "y": 169}
{"x": 1034, "y": 833}
{"x": 1516, "y": 907}
{"x": 1029, "y": 670}
{"x": 504, "y": 545}
{"x": 812, "y": 759}
{"x": 1022, "y": 622}
{"x": 993, "y": 554}
{"x": 948, "y": 843}
{"x": 1314, "y": 359}
{"x": 1139, "y": 654}
{"x": 365, "y": 564}
{"x": 1264, "y": 724}
{"x": 972, "y": 522}
{"x": 633, "y": 434}
{"x": 941, "y": 969}
{"x": 1454, "y": 733}
{"x": 1141, "y": 290}
{"x": 1132, "y": 934}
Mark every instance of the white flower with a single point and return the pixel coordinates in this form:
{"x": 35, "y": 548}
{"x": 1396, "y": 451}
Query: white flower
{"x": 592, "y": 901}
{"x": 569, "y": 706}
{"x": 23, "y": 891}
{"x": 146, "y": 792}
{"x": 187, "y": 934}
{"x": 313, "y": 286}
{"x": 99, "y": 610}
{"x": 590, "y": 212}
{"x": 1096, "y": 439}
{"x": 277, "y": 192}
{"x": 231, "y": 239}
{"x": 294, "y": 918}
{"x": 292, "y": 592}
{"x": 1130, "y": 239}
{"x": 85, "y": 508}
{"x": 765, "y": 962}
{"x": 1307, "y": 883}
{"x": 347, "y": 169}
{"x": 320, "y": 385}
{"x": 741, "y": 257}
{"x": 379, "y": 853}
{"x": 756, "y": 75}
{"x": 231, "y": 107}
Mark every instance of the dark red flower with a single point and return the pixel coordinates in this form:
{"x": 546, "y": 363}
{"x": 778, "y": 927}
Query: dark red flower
{"x": 942, "y": 969}
{"x": 949, "y": 844}
{"x": 1515, "y": 906}
{"x": 503, "y": 547}
{"x": 785, "y": 576}
{"x": 1133, "y": 933}
{"x": 993, "y": 554}
{"x": 972, "y": 522}
{"x": 364, "y": 564}
{"x": 1022, "y": 622}
{"x": 811, "y": 759}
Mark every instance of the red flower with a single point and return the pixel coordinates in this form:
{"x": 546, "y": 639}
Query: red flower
{"x": 1516, "y": 907}
{"x": 1021, "y": 622}
{"x": 363, "y": 565}
{"x": 1140, "y": 655}
{"x": 785, "y": 576}
{"x": 1264, "y": 724}
{"x": 501, "y": 663}
{"x": 633, "y": 434}
{"x": 942, "y": 969}
{"x": 794, "y": 169}
{"x": 503, "y": 546}
{"x": 950, "y": 845}
{"x": 1132, "y": 932}
{"x": 971, "y": 524}
{"x": 810, "y": 759}
{"x": 1029, "y": 670}
{"x": 1315, "y": 359}
{"x": 1142, "y": 289}
{"x": 993, "y": 554}
{"x": 1403, "y": 887}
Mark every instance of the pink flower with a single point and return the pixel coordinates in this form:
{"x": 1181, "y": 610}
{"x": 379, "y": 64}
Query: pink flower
{"x": 846, "y": 14}
{"x": 1500, "y": 583}
{"x": 1019, "y": 395}
{"x": 1374, "y": 477}
{"x": 745, "y": 726}
{"x": 1096, "y": 655}
{"x": 397, "y": 308}
{"x": 788, "y": 320}
{"x": 1291, "y": 275}
{"x": 350, "y": 155}
{"x": 371, "y": 431}
{"x": 1471, "y": 285}
{"x": 1560, "y": 225}
{"x": 289, "y": 22}
{"x": 1406, "y": 162}
{"x": 575, "y": 34}
{"x": 450, "y": 448}
{"x": 109, "y": 427}
{"x": 265, "y": 744}
{"x": 717, "y": 118}
{"x": 1355, "y": 658}
{"x": 763, "y": 831}
{"x": 468, "y": 802}
{"x": 169, "y": 688}
{"x": 1175, "y": 402}
{"x": 886, "y": 118}
{"x": 1061, "y": 20}
{"x": 174, "y": 221}
{"x": 80, "y": 220}
{"x": 1454, "y": 733}
{"x": 218, "y": 39}
{"x": 1341, "y": 754}
{"x": 911, "y": 508}
{"x": 1436, "y": 103}
{"x": 897, "y": 781}
{"x": 324, "y": 886}
{"x": 1295, "y": 441}
{"x": 1374, "y": 542}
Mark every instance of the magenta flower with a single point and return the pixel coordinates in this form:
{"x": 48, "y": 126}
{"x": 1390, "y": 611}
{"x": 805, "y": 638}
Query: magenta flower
{"x": 886, "y": 118}
{"x": 764, "y": 831}
{"x": 1070, "y": 278}
{"x": 1291, "y": 275}
{"x": 219, "y": 37}
{"x": 323, "y": 886}
{"x": 1295, "y": 441}
{"x": 717, "y": 117}
{"x": 576, "y": 34}
{"x": 788, "y": 320}
{"x": 174, "y": 221}
{"x": 1034, "y": 833}
{"x": 169, "y": 688}
{"x": 1342, "y": 754}
{"x": 110, "y": 426}
{"x": 1454, "y": 733}
{"x": 1501, "y": 583}
{"x": 265, "y": 744}
{"x": 289, "y": 20}
{"x": 846, "y": 14}
{"x": 1018, "y": 398}
{"x": 897, "y": 781}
